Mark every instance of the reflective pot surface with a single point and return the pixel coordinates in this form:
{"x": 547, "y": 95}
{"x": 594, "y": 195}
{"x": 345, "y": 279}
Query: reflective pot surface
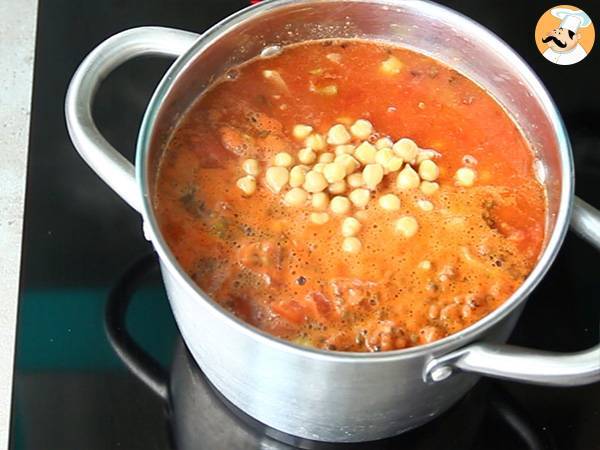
{"x": 199, "y": 417}
{"x": 320, "y": 395}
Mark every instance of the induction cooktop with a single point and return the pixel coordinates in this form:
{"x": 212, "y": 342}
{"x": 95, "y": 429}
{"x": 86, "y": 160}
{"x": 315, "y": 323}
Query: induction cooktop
{"x": 71, "y": 389}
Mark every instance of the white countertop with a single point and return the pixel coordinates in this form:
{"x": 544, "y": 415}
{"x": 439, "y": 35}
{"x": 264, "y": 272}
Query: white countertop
{"x": 17, "y": 43}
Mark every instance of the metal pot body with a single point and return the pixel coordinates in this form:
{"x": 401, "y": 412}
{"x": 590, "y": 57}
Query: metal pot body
{"x": 300, "y": 392}
{"x": 316, "y": 398}
{"x": 321, "y": 395}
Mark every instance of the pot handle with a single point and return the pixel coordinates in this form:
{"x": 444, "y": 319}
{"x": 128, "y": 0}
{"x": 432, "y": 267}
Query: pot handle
{"x": 523, "y": 364}
{"x": 141, "y": 364}
{"x": 103, "y": 158}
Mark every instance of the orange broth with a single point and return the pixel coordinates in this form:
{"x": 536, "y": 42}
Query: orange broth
{"x": 271, "y": 266}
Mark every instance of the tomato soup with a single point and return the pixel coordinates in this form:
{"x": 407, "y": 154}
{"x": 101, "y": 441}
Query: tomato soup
{"x": 352, "y": 196}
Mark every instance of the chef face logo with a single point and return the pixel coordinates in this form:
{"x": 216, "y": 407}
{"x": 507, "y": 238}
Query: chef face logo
{"x": 561, "y": 40}
{"x": 564, "y": 35}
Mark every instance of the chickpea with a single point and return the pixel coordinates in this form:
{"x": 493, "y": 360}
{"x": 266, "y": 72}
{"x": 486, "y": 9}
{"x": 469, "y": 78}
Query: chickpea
{"x": 425, "y": 265}
{"x": 349, "y": 162}
{"x": 314, "y": 182}
{"x": 247, "y": 185}
{"x": 277, "y": 177}
{"x": 334, "y": 172}
{"x": 372, "y": 174}
{"x": 351, "y": 245}
{"x": 355, "y": 180}
{"x": 392, "y": 65}
{"x": 466, "y": 311}
{"x": 350, "y": 227}
{"x": 338, "y": 135}
{"x": 429, "y": 188}
{"x": 407, "y": 226}
{"x": 301, "y": 132}
{"x": 319, "y": 218}
{"x": 450, "y": 312}
{"x": 384, "y": 142}
{"x": 447, "y": 273}
{"x": 315, "y": 141}
{"x": 330, "y": 89}
{"x": 429, "y": 334}
{"x": 394, "y": 164}
{"x": 434, "y": 312}
{"x": 319, "y": 167}
{"x": 361, "y": 215}
{"x": 389, "y": 202}
{"x": 339, "y": 205}
{"x": 407, "y": 179}
{"x": 297, "y": 175}
{"x": 275, "y": 77}
{"x": 425, "y": 154}
{"x": 361, "y": 129}
{"x": 465, "y": 176}
{"x": 383, "y": 156}
{"x": 284, "y": 159}
{"x": 406, "y": 149}
{"x": 429, "y": 171}
{"x": 339, "y": 187}
{"x": 307, "y": 156}
{"x": 320, "y": 201}
{"x": 425, "y": 205}
{"x": 360, "y": 197}
{"x": 365, "y": 153}
{"x": 334, "y": 57}
{"x": 347, "y": 149}
{"x": 295, "y": 197}
{"x": 250, "y": 166}
{"x": 326, "y": 157}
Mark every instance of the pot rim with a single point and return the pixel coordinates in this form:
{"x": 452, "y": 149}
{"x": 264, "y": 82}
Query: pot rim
{"x": 454, "y": 340}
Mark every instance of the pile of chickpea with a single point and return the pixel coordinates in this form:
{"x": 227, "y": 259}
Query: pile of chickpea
{"x": 341, "y": 170}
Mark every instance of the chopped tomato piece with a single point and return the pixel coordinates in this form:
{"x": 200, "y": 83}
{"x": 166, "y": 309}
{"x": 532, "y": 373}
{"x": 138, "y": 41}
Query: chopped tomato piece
{"x": 314, "y": 306}
{"x": 242, "y": 307}
{"x": 290, "y": 310}
{"x": 265, "y": 258}
{"x": 322, "y": 303}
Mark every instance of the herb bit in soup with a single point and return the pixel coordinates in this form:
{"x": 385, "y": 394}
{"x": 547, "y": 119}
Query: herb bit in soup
{"x": 351, "y": 210}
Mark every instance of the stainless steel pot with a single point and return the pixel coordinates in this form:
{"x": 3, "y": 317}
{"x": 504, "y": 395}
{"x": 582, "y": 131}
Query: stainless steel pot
{"x": 315, "y": 394}
{"x": 198, "y": 417}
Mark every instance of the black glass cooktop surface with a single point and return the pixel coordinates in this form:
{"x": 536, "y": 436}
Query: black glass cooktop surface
{"x": 72, "y": 391}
